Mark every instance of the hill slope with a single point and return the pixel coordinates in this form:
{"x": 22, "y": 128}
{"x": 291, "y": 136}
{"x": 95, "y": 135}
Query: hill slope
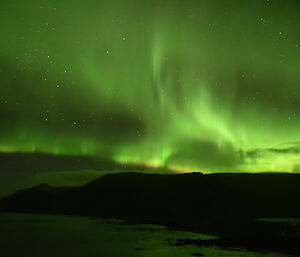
{"x": 131, "y": 195}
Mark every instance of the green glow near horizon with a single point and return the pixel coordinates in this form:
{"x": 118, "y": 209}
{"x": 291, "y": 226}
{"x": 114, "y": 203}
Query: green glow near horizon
{"x": 206, "y": 85}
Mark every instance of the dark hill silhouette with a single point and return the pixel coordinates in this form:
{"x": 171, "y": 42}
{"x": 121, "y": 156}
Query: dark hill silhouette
{"x": 130, "y": 195}
{"x": 224, "y": 204}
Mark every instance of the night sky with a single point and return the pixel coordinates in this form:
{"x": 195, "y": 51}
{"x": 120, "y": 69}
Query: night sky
{"x": 206, "y": 85}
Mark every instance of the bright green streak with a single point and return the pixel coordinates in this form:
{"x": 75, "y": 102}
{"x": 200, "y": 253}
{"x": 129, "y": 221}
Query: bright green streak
{"x": 191, "y": 85}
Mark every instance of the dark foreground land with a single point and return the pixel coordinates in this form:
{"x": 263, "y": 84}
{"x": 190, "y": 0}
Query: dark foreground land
{"x": 227, "y": 205}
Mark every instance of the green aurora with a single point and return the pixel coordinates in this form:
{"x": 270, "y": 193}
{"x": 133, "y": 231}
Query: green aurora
{"x": 207, "y": 85}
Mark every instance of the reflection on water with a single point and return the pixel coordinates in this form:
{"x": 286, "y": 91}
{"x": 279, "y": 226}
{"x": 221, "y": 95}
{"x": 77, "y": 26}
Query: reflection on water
{"x": 291, "y": 221}
{"x": 27, "y": 235}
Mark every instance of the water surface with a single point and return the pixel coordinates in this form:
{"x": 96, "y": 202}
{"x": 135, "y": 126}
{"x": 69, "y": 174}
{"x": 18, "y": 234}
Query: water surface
{"x": 28, "y": 235}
